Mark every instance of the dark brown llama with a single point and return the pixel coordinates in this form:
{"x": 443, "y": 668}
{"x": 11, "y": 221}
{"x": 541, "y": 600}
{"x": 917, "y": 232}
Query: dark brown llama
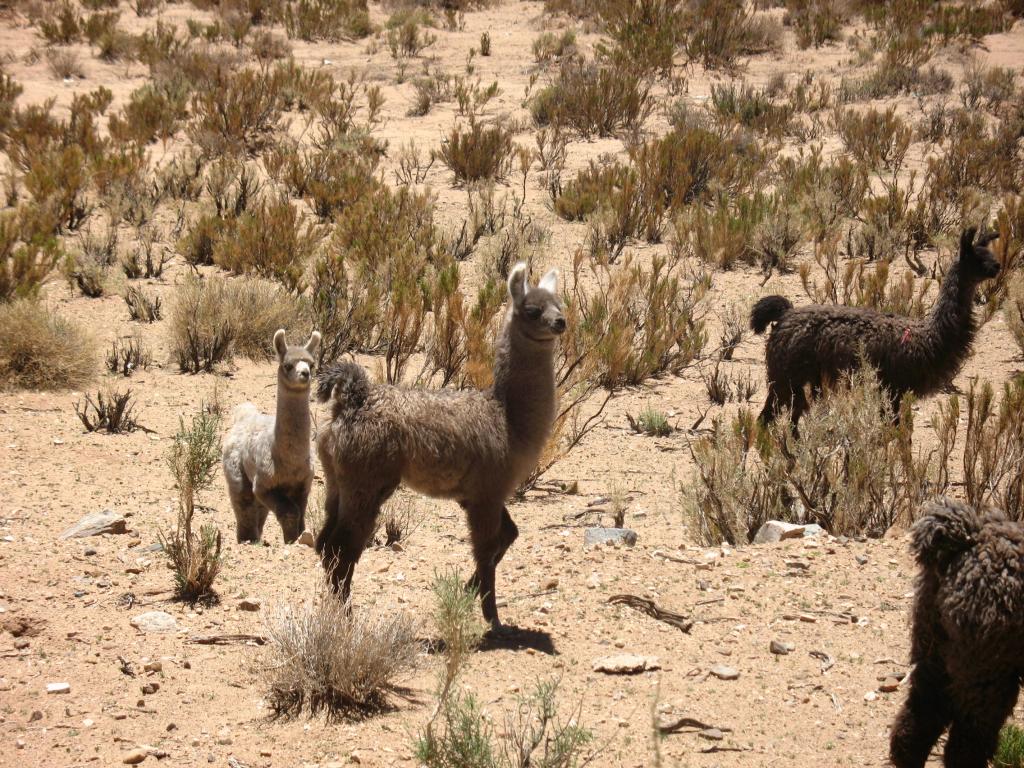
{"x": 814, "y": 346}
{"x": 471, "y": 446}
{"x": 968, "y": 625}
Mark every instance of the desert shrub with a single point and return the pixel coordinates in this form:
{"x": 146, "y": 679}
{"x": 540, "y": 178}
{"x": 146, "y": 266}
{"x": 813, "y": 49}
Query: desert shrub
{"x": 141, "y": 306}
{"x": 532, "y": 734}
{"x": 852, "y": 470}
{"x": 651, "y": 422}
{"x": 258, "y": 308}
{"x": 126, "y": 356}
{"x": 988, "y": 87}
{"x": 201, "y": 325}
{"x": 745, "y": 105}
{"x": 331, "y": 179}
{"x": 994, "y": 446}
{"x": 236, "y": 111}
{"x": 331, "y": 20}
{"x": 457, "y": 624}
{"x": 369, "y": 284}
{"x": 721, "y": 236}
{"x": 876, "y": 139}
{"x": 892, "y": 78}
{"x": 591, "y": 99}
{"x": 64, "y": 64}
{"x": 325, "y": 658}
{"x": 62, "y": 24}
{"x": 478, "y": 152}
{"x": 112, "y": 412}
{"x": 826, "y": 192}
{"x": 148, "y": 257}
{"x": 815, "y": 22}
{"x": 433, "y": 88}
{"x": 548, "y": 46}
{"x": 1014, "y": 312}
{"x": 27, "y": 255}
{"x": 102, "y": 31}
{"x": 644, "y": 33}
{"x": 195, "y": 557}
{"x": 153, "y": 112}
{"x": 144, "y": 8}
{"x": 718, "y": 32}
{"x": 271, "y": 241}
{"x": 485, "y": 43}
{"x": 398, "y": 519}
{"x": 39, "y": 349}
{"x": 9, "y": 93}
{"x": 58, "y": 179}
{"x": 266, "y": 46}
{"x": 1010, "y": 752}
{"x": 722, "y": 386}
{"x": 405, "y": 33}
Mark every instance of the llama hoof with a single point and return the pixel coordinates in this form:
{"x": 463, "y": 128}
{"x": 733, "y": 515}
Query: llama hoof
{"x": 500, "y": 631}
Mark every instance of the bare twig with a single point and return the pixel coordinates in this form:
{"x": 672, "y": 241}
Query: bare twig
{"x": 649, "y": 607}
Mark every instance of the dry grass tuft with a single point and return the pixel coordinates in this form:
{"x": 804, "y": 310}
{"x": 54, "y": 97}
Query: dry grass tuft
{"x": 39, "y": 349}
{"x": 325, "y": 658}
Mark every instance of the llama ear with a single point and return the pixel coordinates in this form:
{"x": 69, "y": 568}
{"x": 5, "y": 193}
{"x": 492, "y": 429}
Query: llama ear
{"x": 967, "y": 240}
{"x": 279, "y": 343}
{"x": 314, "y": 342}
{"x": 549, "y": 282}
{"x": 987, "y": 237}
{"x": 517, "y": 282}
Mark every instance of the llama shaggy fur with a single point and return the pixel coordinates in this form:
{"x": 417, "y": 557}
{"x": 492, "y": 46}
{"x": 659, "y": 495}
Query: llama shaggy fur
{"x": 267, "y": 460}
{"x": 813, "y": 346}
{"x": 475, "y": 447}
{"x": 968, "y": 625}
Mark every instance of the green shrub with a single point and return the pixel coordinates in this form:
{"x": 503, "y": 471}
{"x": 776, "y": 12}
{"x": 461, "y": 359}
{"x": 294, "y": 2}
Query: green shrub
{"x": 478, "y": 152}
{"x": 154, "y": 111}
{"x": 718, "y": 32}
{"x": 331, "y": 20}
{"x": 815, "y": 22}
{"x": 27, "y": 255}
{"x": 875, "y": 139}
{"x": 1010, "y": 752}
{"x": 237, "y": 111}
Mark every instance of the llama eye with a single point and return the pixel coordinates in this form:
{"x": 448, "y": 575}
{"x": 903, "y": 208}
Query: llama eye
{"x": 288, "y": 367}
{"x": 533, "y": 312}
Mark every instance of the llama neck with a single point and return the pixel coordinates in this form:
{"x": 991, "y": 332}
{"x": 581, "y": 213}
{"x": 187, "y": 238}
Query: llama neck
{"x": 291, "y": 426}
{"x": 524, "y": 382}
{"x": 951, "y": 322}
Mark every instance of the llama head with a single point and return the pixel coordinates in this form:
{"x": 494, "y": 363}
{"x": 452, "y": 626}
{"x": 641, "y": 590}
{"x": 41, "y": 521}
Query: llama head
{"x": 537, "y": 310}
{"x": 296, "y": 365}
{"x": 976, "y": 258}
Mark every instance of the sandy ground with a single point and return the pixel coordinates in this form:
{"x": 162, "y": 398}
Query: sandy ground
{"x": 66, "y": 606}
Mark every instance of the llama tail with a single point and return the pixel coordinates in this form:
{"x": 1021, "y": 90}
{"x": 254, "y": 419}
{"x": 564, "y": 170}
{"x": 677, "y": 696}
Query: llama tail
{"x": 346, "y": 385}
{"x": 767, "y": 311}
{"x": 947, "y": 529}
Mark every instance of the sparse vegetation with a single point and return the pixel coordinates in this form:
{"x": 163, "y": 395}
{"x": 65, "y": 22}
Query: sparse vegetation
{"x": 195, "y": 557}
{"x": 126, "y": 356}
{"x": 651, "y": 422}
{"x": 111, "y": 411}
{"x": 1010, "y": 752}
{"x": 40, "y": 349}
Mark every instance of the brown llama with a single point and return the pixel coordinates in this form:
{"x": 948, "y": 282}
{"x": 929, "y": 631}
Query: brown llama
{"x": 968, "y": 625}
{"x": 475, "y": 447}
{"x": 813, "y": 346}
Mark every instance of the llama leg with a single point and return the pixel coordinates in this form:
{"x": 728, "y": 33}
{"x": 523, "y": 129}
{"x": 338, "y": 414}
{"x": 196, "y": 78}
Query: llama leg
{"x": 509, "y": 533}
{"x": 345, "y": 540}
{"x": 771, "y": 407}
{"x": 980, "y": 709}
{"x": 331, "y": 501}
{"x": 488, "y": 533}
{"x": 799, "y": 406}
{"x": 288, "y": 503}
{"x": 250, "y": 514}
{"x": 923, "y": 717}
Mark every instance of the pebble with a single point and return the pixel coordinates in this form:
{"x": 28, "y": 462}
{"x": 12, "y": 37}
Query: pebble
{"x": 58, "y": 688}
{"x": 19, "y": 744}
{"x": 21, "y": 643}
{"x": 155, "y": 621}
{"x": 711, "y": 734}
{"x": 153, "y": 666}
{"x": 134, "y": 757}
{"x": 862, "y": 560}
{"x": 96, "y": 524}
{"x": 780, "y": 648}
{"x": 249, "y": 604}
{"x": 551, "y": 584}
{"x": 306, "y": 539}
{"x": 593, "y": 537}
{"x": 224, "y": 737}
{"x": 723, "y": 672}
{"x": 150, "y": 687}
{"x": 889, "y": 685}
{"x": 35, "y": 716}
{"x": 870, "y": 696}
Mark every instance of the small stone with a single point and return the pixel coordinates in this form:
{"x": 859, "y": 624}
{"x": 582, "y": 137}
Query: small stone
{"x": 396, "y": 546}
{"x": 249, "y": 604}
{"x": 777, "y": 530}
{"x": 35, "y": 716}
{"x": 593, "y": 537}
{"x": 723, "y": 672}
{"x": 5, "y": 684}
{"x": 551, "y": 583}
{"x": 134, "y": 757}
{"x": 355, "y": 758}
{"x": 780, "y": 648}
{"x": 58, "y": 687}
{"x": 889, "y": 685}
{"x": 224, "y": 737}
{"x": 171, "y": 727}
{"x": 626, "y": 664}
{"x": 153, "y": 666}
{"x": 155, "y": 621}
{"x": 870, "y": 696}
{"x": 96, "y": 524}
{"x": 21, "y": 643}
{"x": 89, "y": 551}
{"x": 306, "y": 539}
{"x": 150, "y": 687}
{"x": 711, "y": 734}
{"x": 862, "y": 560}
{"x": 19, "y": 744}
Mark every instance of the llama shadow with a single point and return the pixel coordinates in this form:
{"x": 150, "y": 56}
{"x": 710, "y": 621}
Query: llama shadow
{"x": 517, "y": 639}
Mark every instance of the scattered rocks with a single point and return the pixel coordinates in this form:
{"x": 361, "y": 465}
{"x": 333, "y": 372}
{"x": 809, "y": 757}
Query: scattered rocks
{"x": 96, "y": 524}
{"x": 776, "y": 530}
{"x": 780, "y": 648}
{"x": 593, "y": 537}
{"x": 58, "y": 687}
{"x": 250, "y": 604}
{"x": 134, "y": 757}
{"x": 626, "y": 664}
{"x": 723, "y": 672}
{"x": 889, "y": 685}
{"x": 150, "y": 688}
{"x": 155, "y": 621}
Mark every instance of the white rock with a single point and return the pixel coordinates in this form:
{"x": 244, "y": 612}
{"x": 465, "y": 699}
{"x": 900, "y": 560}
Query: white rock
{"x": 777, "y": 530}
{"x": 58, "y": 687}
{"x": 626, "y": 664}
{"x": 592, "y": 537}
{"x": 723, "y": 672}
{"x": 155, "y": 621}
{"x": 96, "y": 524}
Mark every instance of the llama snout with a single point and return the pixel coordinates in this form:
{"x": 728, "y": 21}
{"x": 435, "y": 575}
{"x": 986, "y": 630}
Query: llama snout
{"x": 558, "y": 325}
